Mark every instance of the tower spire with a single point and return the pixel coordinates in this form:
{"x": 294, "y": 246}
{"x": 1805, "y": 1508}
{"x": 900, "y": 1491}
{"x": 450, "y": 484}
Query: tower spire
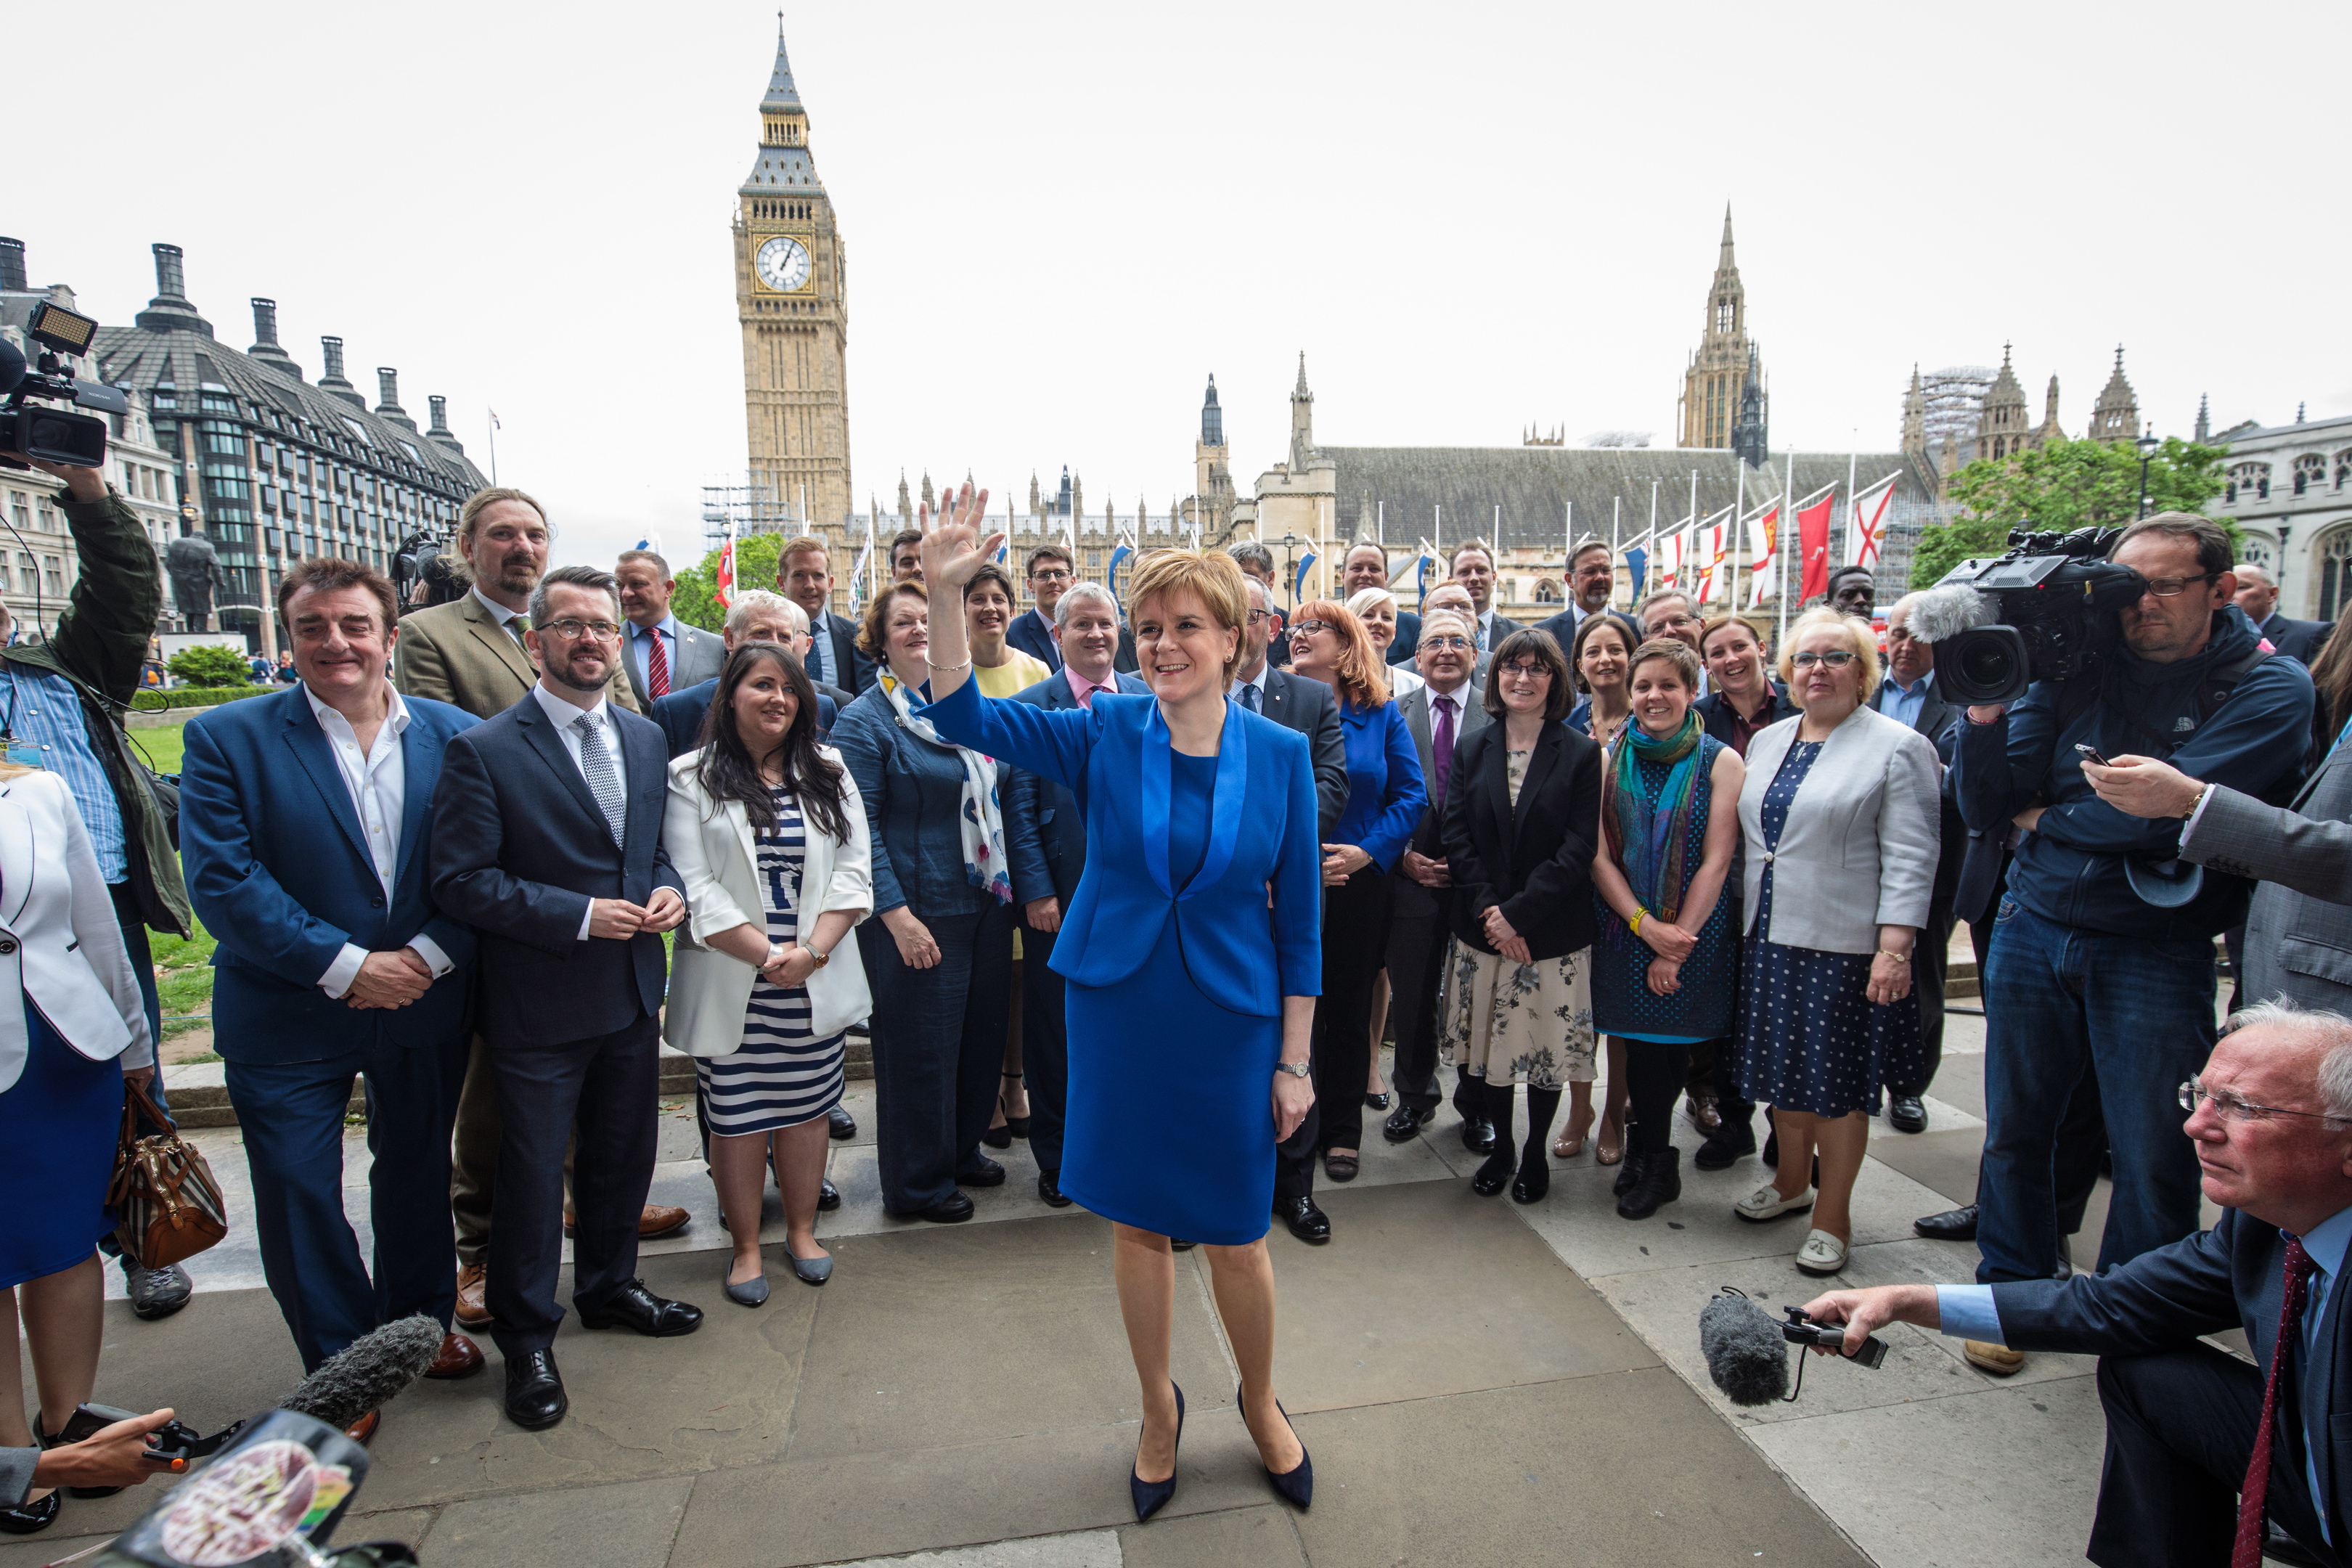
{"x": 1727, "y": 235}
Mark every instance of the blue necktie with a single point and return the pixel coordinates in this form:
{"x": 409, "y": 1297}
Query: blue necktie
{"x": 1250, "y": 700}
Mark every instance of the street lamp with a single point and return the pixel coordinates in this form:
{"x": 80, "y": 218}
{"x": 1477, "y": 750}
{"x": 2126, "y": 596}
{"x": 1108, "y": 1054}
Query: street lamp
{"x": 1290, "y": 566}
{"x": 2148, "y": 446}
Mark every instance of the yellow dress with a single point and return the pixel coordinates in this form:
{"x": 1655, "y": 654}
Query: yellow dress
{"x": 1018, "y": 673}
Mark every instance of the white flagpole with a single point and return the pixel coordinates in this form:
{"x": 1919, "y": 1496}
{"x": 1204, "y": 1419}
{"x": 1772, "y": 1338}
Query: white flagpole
{"x": 1615, "y": 503}
{"x": 1683, "y": 556}
{"x": 1380, "y": 528}
{"x": 1738, "y": 513}
{"x": 1851, "y": 458}
{"x": 1788, "y": 528}
{"x": 1437, "y": 534}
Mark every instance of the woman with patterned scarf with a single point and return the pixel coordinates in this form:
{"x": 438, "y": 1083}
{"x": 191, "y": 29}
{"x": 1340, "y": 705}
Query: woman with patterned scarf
{"x": 1666, "y": 967}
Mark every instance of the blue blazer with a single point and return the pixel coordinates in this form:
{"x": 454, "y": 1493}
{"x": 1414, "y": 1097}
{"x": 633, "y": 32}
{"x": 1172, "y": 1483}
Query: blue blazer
{"x": 519, "y": 847}
{"x": 1386, "y": 793}
{"x": 1061, "y": 821}
{"x": 680, "y": 715}
{"x": 1408, "y": 638}
{"x": 1115, "y": 759}
{"x": 1033, "y": 635}
{"x": 279, "y": 873}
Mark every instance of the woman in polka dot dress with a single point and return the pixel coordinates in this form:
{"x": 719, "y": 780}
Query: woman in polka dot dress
{"x": 1838, "y": 823}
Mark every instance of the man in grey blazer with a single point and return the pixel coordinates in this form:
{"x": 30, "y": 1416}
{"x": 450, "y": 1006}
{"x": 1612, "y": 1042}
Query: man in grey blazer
{"x": 661, "y": 653}
{"x": 1418, "y": 919}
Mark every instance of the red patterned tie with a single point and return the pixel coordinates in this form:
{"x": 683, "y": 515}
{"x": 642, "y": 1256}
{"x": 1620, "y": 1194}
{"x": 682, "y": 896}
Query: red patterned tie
{"x": 656, "y": 666}
{"x": 2248, "y": 1551}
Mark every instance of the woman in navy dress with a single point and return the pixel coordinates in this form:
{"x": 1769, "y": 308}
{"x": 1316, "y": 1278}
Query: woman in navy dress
{"x": 1666, "y": 966}
{"x": 1190, "y": 990}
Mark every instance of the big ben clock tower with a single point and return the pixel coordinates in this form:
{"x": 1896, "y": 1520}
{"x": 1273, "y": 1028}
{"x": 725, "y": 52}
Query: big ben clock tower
{"x": 789, "y": 294}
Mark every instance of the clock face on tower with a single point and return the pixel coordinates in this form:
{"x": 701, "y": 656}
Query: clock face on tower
{"x": 783, "y": 264}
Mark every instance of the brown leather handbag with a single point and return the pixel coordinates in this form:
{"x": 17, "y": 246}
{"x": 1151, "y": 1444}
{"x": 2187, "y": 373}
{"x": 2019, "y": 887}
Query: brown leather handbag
{"x": 166, "y": 1204}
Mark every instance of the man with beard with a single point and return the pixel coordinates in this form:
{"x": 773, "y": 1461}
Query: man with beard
{"x": 470, "y": 652}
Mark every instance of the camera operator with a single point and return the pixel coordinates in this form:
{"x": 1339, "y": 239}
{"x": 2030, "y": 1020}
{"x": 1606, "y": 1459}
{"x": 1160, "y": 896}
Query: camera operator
{"x": 115, "y": 1456}
{"x": 2103, "y": 950}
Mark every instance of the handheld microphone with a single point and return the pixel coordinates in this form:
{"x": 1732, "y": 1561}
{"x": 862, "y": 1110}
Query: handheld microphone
{"x": 1746, "y": 1355}
{"x": 1943, "y": 612}
{"x": 369, "y": 1371}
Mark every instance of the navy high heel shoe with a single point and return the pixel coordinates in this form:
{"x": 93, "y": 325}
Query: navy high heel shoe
{"x": 1152, "y": 1495}
{"x": 1295, "y": 1486}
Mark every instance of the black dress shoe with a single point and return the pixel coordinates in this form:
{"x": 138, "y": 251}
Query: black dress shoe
{"x": 985, "y": 1172}
{"x": 1629, "y": 1174}
{"x": 535, "y": 1396}
{"x": 1661, "y": 1183}
{"x": 840, "y": 1126}
{"x": 1376, "y": 1102}
{"x": 1494, "y": 1175}
{"x": 828, "y": 1196}
{"x": 1905, "y": 1113}
{"x": 1952, "y": 1224}
{"x": 1306, "y": 1221}
{"x": 635, "y": 1307}
{"x": 27, "y": 1518}
{"x": 954, "y": 1209}
{"x": 1478, "y": 1136}
{"x": 1178, "y": 1243}
{"x": 1051, "y": 1192}
{"x": 1404, "y": 1124}
{"x": 1151, "y": 1496}
{"x": 1725, "y": 1150}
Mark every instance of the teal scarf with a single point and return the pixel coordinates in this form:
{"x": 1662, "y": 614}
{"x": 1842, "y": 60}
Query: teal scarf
{"x": 1646, "y": 840}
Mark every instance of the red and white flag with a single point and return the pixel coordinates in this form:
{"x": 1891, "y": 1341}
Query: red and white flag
{"x": 723, "y": 583}
{"x": 1865, "y": 529}
{"x": 1813, "y": 545}
{"x": 1712, "y": 570}
{"x": 1764, "y": 556}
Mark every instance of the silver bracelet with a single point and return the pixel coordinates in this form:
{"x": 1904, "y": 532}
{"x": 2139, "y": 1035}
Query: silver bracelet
{"x": 948, "y": 668}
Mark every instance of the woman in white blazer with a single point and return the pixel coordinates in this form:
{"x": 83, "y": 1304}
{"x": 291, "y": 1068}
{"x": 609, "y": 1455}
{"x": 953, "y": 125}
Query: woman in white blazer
{"x": 1838, "y": 823}
{"x": 80, "y": 1030}
{"x": 766, "y": 830}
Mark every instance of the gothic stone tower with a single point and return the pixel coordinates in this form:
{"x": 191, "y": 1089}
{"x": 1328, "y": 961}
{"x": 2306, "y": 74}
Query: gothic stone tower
{"x": 2116, "y": 416}
{"x": 789, "y": 296}
{"x": 1717, "y": 373}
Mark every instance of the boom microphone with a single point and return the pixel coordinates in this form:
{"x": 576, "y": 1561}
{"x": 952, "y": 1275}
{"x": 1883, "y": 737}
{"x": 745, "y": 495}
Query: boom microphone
{"x": 1745, "y": 1352}
{"x": 369, "y": 1371}
{"x": 1943, "y": 612}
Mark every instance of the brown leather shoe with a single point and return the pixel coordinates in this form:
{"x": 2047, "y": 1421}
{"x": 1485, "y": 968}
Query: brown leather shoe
{"x": 472, "y": 1311}
{"x": 459, "y": 1357}
{"x": 362, "y": 1429}
{"x": 658, "y": 1219}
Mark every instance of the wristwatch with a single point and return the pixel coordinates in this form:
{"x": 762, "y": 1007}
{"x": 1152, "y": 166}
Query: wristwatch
{"x": 821, "y": 958}
{"x": 1297, "y": 1069}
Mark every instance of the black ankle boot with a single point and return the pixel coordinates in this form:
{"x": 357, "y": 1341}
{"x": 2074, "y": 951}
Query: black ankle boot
{"x": 1661, "y": 1183}
{"x": 1629, "y": 1174}
{"x": 1535, "y": 1175}
{"x": 1496, "y": 1174}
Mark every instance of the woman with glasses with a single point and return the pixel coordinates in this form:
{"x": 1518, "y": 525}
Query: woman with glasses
{"x": 1667, "y": 961}
{"x": 1385, "y": 797}
{"x": 1602, "y": 659}
{"x": 1522, "y": 811}
{"x": 1839, "y": 820}
{"x": 939, "y": 950}
{"x": 1377, "y": 608}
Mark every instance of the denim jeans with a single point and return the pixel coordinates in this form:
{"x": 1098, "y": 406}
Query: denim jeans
{"x": 2141, "y": 1013}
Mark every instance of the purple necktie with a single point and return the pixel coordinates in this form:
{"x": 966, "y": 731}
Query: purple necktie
{"x": 1441, "y": 751}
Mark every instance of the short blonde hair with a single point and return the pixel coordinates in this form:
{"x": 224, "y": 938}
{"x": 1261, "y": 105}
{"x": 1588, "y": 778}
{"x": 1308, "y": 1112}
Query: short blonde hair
{"x": 1212, "y": 576}
{"x": 1858, "y": 636}
{"x": 1363, "y": 599}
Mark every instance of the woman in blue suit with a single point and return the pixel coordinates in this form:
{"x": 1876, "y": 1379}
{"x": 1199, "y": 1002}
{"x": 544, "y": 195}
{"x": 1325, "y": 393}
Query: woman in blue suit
{"x": 1192, "y": 992}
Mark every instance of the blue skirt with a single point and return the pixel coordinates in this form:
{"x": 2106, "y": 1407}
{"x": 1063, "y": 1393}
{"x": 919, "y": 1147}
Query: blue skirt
{"x": 57, "y": 1127}
{"x": 1171, "y": 1120}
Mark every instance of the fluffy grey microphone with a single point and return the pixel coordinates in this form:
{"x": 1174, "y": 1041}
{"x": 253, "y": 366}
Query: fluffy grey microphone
{"x": 1746, "y": 1354}
{"x": 1943, "y": 612}
{"x": 367, "y": 1371}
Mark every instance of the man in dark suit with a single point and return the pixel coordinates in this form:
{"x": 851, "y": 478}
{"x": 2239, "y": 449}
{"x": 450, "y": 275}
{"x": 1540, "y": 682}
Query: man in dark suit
{"x": 2192, "y": 1467}
{"x": 1473, "y": 567}
{"x": 2258, "y": 595}
{"x": 1908, "y": 696}
{"x": 660, "y": 652}
{"x": 1050, "y": 572}
{"x": 548, "y": 842}
{"x": 304, "y": 830}
{"x": 1296, "y": 703}
{"x": 1087, "y": 626}
{"x": 1591, "y": 582}
{"x": 756, "y": 615}
{"x": 805, "y": 575}
{"x": 1367, "y": 566}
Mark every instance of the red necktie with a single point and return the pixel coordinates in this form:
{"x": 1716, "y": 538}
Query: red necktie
{"x": 1441, "y": 751}
{"x": 2248, "y": 1551}
{"x": 656, "y": 666}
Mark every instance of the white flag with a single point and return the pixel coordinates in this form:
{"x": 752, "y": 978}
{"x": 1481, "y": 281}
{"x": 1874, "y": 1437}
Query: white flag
{"x": 1709, "y": 571}
{"x": 1764, "y": 556}
{"x": 1866, "y": 529}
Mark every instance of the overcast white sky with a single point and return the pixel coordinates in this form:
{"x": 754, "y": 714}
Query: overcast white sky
{"x": 1061, "y": 218}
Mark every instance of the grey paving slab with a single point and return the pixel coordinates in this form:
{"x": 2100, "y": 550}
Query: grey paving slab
{"x": 1943, "y": 1161}
{"x": 1429, "y": 1289}
{"x": 1086, "y": 1549}
{"x": 409, "y": 1524}
{"x": 1262, "y": 1537}
{"x": 1584, "y": 1471}
{"x": 623, "y": 1524}
{"x": 2014, "y": 1475}
{"x": 957, "y": 1333}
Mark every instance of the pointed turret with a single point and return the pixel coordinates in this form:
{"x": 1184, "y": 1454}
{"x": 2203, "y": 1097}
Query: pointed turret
{"x": 2115, "y": 416}
{"x": 1212, "y": 419}
{"x": 2204, "y": 419}
{"x": 1302, "y": 419}
{"x": 784, "y": 165}
{"x": 2000, "y": 417}
{"x": 1725, "y": 264}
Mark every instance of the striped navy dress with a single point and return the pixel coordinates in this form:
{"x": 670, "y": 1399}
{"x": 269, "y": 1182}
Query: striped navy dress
{"x": 781, "y": 1076}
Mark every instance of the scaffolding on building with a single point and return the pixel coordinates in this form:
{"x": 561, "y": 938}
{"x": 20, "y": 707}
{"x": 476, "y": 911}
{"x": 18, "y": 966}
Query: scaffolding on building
{"x": 749, "y": 507}
{"x": 1955, "y": 397}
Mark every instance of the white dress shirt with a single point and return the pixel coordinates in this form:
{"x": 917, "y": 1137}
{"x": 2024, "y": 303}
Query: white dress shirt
{"x": 1257, "y": 680}
{"x": 378, "y": 782}
{"x": 562, "y": 712}
{"x": 500, "y": 613}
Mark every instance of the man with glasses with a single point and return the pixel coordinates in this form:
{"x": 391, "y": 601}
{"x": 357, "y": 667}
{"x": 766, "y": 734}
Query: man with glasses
{"x": 1670, "y": 613}
{"x": 1051, "y": 573}
{"x": 2210, "y": 1458}
{"x": 2102, "y": 952}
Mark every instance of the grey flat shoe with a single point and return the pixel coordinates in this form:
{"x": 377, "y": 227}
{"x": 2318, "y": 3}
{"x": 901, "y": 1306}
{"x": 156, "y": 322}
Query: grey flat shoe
{"x": 753, "y": 1292}
{"x": 809, "y": 1270}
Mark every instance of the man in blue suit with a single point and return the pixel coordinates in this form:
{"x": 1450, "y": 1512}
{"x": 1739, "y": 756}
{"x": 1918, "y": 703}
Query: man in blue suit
{"x": 1367, "y": 566}
{"x": 547, "y": 839}
{"x": 1087, "y": 631}
{"x": 2184, "y": 1423}
{"x": 756, "y": 615}
{"x": 1050, "y": 572}
{"x": 305, "y": 834}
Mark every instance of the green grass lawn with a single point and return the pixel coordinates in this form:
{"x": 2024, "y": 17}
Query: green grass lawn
{"x": 160, "y": 749}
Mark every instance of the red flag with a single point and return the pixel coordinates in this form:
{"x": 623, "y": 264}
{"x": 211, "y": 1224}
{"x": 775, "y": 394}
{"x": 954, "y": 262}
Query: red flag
{"x": 723, "y": 587}
{"x": 1813, "y": 542}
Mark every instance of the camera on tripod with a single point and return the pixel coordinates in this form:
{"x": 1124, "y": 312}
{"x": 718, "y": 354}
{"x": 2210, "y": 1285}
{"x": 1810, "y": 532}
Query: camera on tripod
{"x": 32, "y": 430}
{"x": 2046, "y": 610}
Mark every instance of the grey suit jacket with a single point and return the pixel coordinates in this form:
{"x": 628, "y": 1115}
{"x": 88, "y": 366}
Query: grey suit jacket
{"x": 1860, "y": 848}
{"x": 458, "y": 653}
{"x": 17, "y": 1474}
{"x": 1411, "y": 897}
{"x": 699, "y": 656}
{"x": 2299, "y": 927}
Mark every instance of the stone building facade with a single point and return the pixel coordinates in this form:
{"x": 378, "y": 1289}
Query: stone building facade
{"x": 2290, "y": 493}
{"x": 1724, "y": 401}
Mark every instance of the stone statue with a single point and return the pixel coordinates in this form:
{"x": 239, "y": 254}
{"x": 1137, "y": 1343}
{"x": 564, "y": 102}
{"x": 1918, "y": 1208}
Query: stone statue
{"x": 195, "y": 573}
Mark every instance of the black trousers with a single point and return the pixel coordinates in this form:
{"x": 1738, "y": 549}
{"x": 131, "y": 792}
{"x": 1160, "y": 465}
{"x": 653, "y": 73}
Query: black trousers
{"x": 938, "y": 1049}
{"x": 1654, "y": 1074}
{"x": 1045, "y": 1048}
{"x": 1355, "y": 931}
{"x": 1416, "y": 955}
{"x": 2180, "y": 1431}
{"x": 1929, "y": 959}
{"x": 609, "y": 1088}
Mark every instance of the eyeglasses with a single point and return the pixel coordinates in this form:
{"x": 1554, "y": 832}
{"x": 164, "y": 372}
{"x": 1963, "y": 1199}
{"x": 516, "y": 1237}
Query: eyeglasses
{"x": 1836, "y": 658}
{"x": 1672, "y": 621}
{"x": 571, "y": 630}
{"x": 1450, "y": 644}
{"x": 1526, "y": 670}
{"x": 2231, "y": 1107}
{"x": 2173, "y": 587}
{"x": 1257, "y": 615}
{"x": 1053, "y": 576}
{"x": 1303, "y": 627}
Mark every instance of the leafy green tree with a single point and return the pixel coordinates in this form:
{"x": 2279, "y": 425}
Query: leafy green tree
{"x": 2063, "y": 486}
{"x": 210, "y": 664}
{"x": 756, "y": 558}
